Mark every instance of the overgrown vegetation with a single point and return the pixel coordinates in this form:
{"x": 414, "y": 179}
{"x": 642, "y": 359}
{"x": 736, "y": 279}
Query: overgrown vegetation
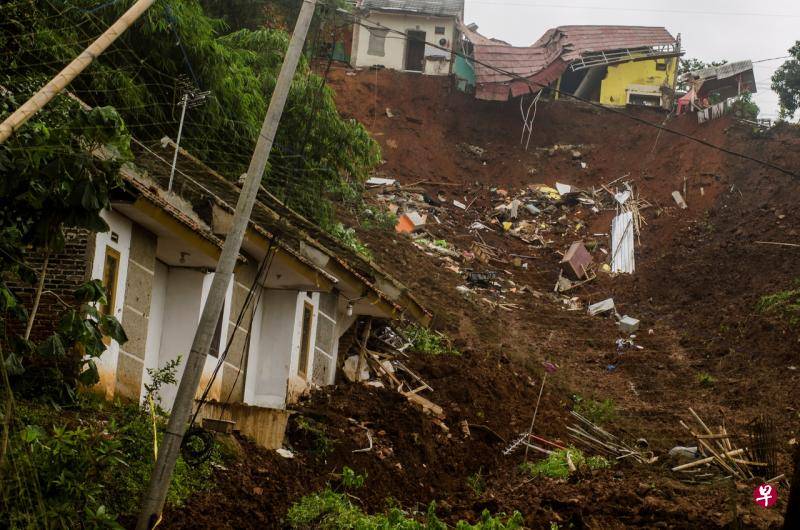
{"x": 332, "y": 510}
{"x": 50, "y": 181}
{"x": 556, "y": 465}
{"x": 784, "y": 304}
{"x": 316, "y": 154}
{"x": 85, "y": 466}
{"x": 425, "y": 340}
{"x": 598, "y": 412}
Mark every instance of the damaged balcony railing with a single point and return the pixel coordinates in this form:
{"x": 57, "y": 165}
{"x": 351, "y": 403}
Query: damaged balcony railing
{"x": 588, "y": 60}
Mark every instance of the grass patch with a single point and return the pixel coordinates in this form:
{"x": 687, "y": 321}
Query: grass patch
{"x": 555, "y": 465}
{"x": 431, "y": 342}
{"x": 706, "y": 379}
{"x": 477, "y": 482}
{"x": 784, "y": 304}
{"x": 330, "y": 510}
{"x": 598, "y": 412}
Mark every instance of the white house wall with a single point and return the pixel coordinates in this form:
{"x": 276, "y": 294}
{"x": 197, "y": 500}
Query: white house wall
{"x": 186, "y": 294}
{"x": 395, "y": 46}
{"x": 155, "y": 326}
{"x": 120, "y": 229}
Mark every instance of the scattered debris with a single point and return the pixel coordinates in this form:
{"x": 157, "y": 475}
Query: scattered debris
{"x": 622, "y": 259}
{"x": 285, "y": 453}
{"x": 628, "y": 324}
{"x": 601, "y": 307}
{"x": 375, "y": 182}
{"x": 459, "y": 204}
{"x": 410, "y": 222}
{"x": 590, "y": 436}
{"x": 576, "y": 261}
{"x": 679, "y": 200}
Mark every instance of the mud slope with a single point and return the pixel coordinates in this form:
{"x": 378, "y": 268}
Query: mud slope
{"x": 699, "y": 277}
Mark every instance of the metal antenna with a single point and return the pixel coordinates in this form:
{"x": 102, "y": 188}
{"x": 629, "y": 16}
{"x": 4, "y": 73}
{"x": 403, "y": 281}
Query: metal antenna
{"x": 191, "y": 98}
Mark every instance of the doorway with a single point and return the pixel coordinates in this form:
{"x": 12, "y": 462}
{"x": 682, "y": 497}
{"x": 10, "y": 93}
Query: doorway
{"x": 415, "y": 50}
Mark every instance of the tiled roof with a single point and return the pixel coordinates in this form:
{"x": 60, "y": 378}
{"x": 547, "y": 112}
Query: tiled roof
{"x": 199, "y": 184}
{"x": 546, "y": 59}
{"x": 442, "y": 8}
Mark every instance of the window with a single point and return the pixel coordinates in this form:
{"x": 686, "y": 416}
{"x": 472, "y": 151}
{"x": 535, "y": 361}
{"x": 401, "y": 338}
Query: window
{"x": 110, "y": 279}
{"x": 439, "y": 30}
{"x": 305, "y": 340}
{"x": 377, "y": 42}
{"x": 661, "y": 66}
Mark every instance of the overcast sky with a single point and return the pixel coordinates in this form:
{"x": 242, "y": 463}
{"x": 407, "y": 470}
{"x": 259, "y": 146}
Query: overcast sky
{"x": 710, "y": 30}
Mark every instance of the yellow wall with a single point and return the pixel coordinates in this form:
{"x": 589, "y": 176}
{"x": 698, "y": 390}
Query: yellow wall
{"x": 613, "y": 89}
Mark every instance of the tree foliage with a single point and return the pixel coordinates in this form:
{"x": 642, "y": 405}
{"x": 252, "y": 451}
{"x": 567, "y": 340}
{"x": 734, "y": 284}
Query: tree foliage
{"x": 316, "y": 151}
{"x": 56, "y": 172}
{"x": 786, "y": 83}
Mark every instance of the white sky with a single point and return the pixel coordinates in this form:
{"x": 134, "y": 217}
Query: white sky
{"x": 710, "y": 30}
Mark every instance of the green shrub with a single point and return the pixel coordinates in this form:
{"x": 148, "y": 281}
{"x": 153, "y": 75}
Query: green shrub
{"x": 321, "y": 445}
{"x": 351, "y": 479}
{"x": 348, "y": 238}
{"x": 598, "y": 412}
{"x": 555, "y": 465}
{"x": 425, "y": 340}
{"x": 331, "y": 510}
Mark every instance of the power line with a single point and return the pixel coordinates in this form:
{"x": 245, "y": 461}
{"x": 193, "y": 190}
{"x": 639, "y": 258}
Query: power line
{"x": 613, "y": 110}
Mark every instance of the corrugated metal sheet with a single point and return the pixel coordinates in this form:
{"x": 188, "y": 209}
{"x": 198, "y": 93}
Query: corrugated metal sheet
{"x": 545, "y": 60}
{"x": 442, "y": 8}
{"x": 722, "y": 72}
{"x": 622, "y": 229}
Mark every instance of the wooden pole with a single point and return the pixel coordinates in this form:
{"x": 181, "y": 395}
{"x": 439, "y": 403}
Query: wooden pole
{"x": 71, "y": 71}
{"x": 153, "y": 502}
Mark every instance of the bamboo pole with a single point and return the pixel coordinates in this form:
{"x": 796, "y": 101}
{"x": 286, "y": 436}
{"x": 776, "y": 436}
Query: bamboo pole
{"x": 72, "y": 70}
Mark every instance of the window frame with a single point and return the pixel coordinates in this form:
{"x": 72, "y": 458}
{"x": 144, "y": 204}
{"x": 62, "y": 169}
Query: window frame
{"x": 375, "y": 40}
{"x": 109, "y": 309}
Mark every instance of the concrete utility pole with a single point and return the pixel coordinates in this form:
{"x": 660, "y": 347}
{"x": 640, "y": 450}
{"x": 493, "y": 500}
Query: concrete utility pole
{"x": 153, "y": 501}
{"x": 71, "y": 71}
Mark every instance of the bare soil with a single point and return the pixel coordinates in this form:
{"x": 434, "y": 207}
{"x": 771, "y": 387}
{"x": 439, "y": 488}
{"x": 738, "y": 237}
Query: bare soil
{"x": 699, "y": 274}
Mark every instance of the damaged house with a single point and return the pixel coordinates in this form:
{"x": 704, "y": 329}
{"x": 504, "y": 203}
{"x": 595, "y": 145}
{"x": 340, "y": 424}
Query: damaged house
{"x": 710, "y": 88}
{"x": 290, "y": 308}
{"x": 396, "y": 34}
{"x": 612, "y": 65}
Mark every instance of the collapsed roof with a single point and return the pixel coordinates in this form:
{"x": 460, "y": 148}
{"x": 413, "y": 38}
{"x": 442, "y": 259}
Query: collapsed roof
{"x": 573, "y": 47}
{"x": 440, "y": 8}
{"x": 727, "y": 80}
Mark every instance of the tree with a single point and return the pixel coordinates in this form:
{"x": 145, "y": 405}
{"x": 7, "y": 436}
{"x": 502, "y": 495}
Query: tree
{"x": 51, "y": 178}
{"x": 316, "y": 151}
{"x": 786, "y": 83}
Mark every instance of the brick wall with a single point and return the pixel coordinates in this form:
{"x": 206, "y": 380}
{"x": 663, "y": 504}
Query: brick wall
{"x": 65, "y": 272}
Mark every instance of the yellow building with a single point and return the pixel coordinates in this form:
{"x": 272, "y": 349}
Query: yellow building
{"x": 639, "y": 82}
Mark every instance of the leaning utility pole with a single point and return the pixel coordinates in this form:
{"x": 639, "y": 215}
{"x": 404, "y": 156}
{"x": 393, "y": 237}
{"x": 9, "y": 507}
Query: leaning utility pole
{"x": 153, "y": 501}
{"x": 71, "y": 71}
